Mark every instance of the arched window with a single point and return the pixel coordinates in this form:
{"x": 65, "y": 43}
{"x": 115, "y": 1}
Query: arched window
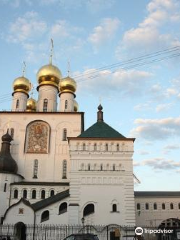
{"x": 45, "y": 216}
{"x": 17, "y": 104}
{"x": 64, "y": 174}
{"x": 138, "y": 206}
{"x": 147, "y": 206}
{"x": 89, "y": 209}
{"x": 163, "y": 206}
{"x": 64, "y": 138}
{"x": 66, "y": 104}
{"x": 52, "y": 193}
{"x": 114, "y": 167}
{"x": 35, "y": 169}
{"x": 15, "y": 193}
{"x": 33, "y": 195}
{"x": 25, "y": 193}
{"x": 43, "y": 194}
{"x": 106, "y": 147}
{"x": 63, "y": 208}
{"x": 95, "y": 147}
{"x": 89, "y": 167}
{"x": 171, "y": 206}
{"x": 5, "y": 187}
{"x": 45, "y": 105}
{"x": 101, "y": 167}
{"x": 114, "y": 207}
{"x": 84, "y": 146}
{"x": 117, "y": 147}
{"x": 155, "y": 206}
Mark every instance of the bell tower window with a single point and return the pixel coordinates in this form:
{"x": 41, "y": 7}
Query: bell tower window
{"x": 17, "y": 104}
{"x": 66, "y": 104}
{"x": 45, "y": 105}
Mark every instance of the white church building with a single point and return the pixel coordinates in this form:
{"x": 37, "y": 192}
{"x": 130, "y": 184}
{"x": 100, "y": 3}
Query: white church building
{"x": 53, "y": 171}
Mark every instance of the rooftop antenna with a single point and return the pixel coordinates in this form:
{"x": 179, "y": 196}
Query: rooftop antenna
{"x": 24, "y": 68}
{"x": 52, "y": 49}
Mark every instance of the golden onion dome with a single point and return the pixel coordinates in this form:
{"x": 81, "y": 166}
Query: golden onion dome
{"x": 49, "y": 75}
{"x": 31, "y": 105}
{"x": 22, "y": 84}
{"x": 76, "y": 106}
{"x": 67, "y": 84}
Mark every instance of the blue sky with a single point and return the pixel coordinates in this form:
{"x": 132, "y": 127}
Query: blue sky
{"x": 141, "y": 102}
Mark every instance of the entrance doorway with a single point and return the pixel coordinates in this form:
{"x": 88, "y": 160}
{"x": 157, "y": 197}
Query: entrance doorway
{"x": 20, "y": 231}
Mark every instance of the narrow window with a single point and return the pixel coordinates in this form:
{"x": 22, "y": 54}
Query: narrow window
{"x": 35, "y": 169}
{"x": 106, "y": 147}
{"x": 163, "y": 206}
{"x": 52, "y": 193}
{"x": 114, "y": 207}
{"x": 45, "y": 216}
{"x": 5, "y": 187}
{"x": 114, "y": 167}
{"x": 138, "y": 206}
{"x": 64, "y": 175}
{"x": 155, "y": 206}
{"x": 64, "y": 138}
{"x": 117, "y": 147}
{"x": 43, "y": 193}
{"x": 171, "y": 206}
{"x": 89, "y": 167}
{"x": 95, "y": 147}
{"x": 84, "y": 146}
{"x": 33, "y": 196}
{"x": 15, "y": 193}
{"x": 25, "y": 193}
{"x": 66, "y": 104}
{"x": 17, "y": 104}
{"x": 63, "y": 208}
{"x": 45, "y": 105}
{"x": 101, "y": 167}
{"x": 147, "y": 206}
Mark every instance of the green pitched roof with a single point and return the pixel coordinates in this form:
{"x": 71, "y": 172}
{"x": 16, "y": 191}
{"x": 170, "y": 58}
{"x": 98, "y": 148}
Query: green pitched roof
{"x": 100, "y": 130}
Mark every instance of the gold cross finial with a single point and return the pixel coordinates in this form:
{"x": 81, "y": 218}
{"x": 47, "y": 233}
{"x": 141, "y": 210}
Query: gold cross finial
{"x": 24, "y": 68}
{"x": 52, "y": 49}
{"x": 32, "y": 90}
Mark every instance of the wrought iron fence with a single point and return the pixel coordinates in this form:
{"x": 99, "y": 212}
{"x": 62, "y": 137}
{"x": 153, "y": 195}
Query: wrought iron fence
{"x": 60, "y": 232}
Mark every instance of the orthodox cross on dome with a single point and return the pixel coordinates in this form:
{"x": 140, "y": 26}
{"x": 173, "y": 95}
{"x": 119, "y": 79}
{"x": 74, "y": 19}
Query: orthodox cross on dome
{"x": 32, "y": 90}
{"x": 52, "y": 50}
{"x": 24, "y": 68}
{"x": 69, "y": 68}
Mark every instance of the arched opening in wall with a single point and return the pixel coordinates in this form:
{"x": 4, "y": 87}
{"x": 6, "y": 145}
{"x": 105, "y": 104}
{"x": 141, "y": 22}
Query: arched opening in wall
{"x": 138, "y": 206}
{"x": 155, "y": 206}
{"x": 114, "y": 207}
{"x": 45, "y": 216}
{"x": 163, "y": 206}
{"x": 95, "y": 147}
{"x": 33, "y": 196}
{"x": 43, "y": 194}
{"x": 89, "y": 209}
{"x": 84, "y": 147}
{"x": 52, "y": 193}
{"x": 25, "y": 193}
{"x": 66, "y": 104}
{"x": 170, "y": 223}
{"x": 15, "y": 193}
{"x": 171, "y": 206}
{"x": 20, "y": 231}
{"x": 63, "y": 208}
{"x": 5, "y": 187}
{"x": 17, "y": 104}
{"x": 117, "y": 147}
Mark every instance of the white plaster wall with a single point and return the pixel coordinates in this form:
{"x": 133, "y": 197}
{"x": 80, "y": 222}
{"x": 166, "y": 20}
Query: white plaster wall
{"x": 49, "y": 93}
{"x": 70, "y": 98}
{"x": 153, "y": 217}
{"x": 22, "y": 101}
{"x": 13, "y": 216}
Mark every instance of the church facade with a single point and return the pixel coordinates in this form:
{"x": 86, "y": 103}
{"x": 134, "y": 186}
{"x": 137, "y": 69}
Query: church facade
{"x": 52, "y": 171}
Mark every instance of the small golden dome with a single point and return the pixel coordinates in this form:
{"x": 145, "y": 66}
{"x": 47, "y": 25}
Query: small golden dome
{"x": 21, "y": 84}
{"x": 49, "y": 75}
{"x": 31, "y": 105}
{"x": 76, "y": 106}
{"x": 67, "y": 84}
